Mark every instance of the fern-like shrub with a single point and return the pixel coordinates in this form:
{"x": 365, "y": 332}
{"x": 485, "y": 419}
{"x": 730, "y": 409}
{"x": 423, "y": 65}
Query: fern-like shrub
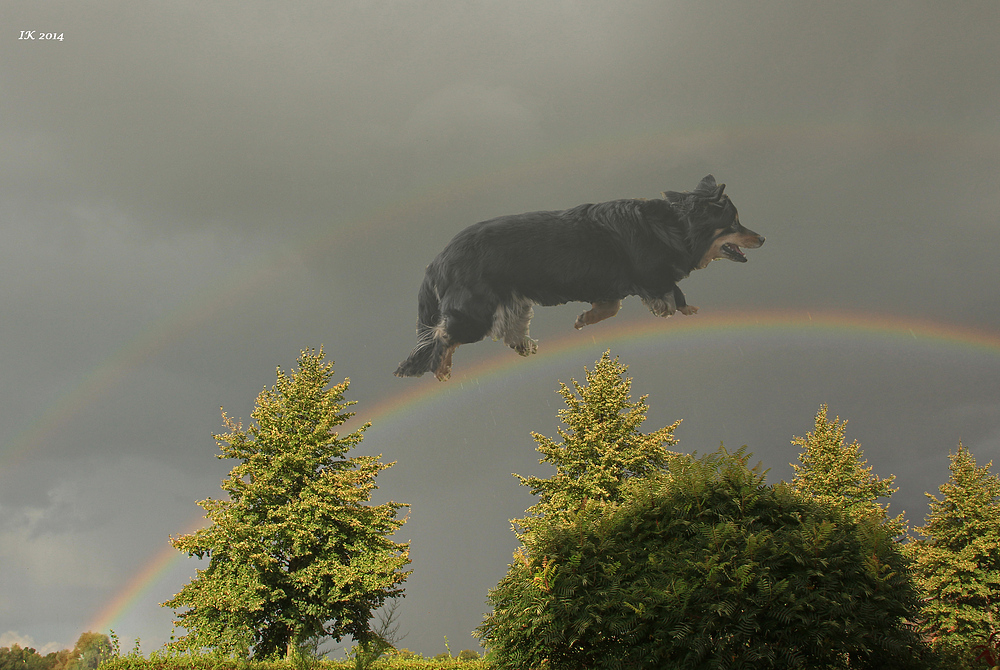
{"x": 702, "y": 565}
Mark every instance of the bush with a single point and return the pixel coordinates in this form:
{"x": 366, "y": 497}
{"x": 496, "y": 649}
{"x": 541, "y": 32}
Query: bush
{"x": 215, "y": 662}
{"x": 703, "y": 565}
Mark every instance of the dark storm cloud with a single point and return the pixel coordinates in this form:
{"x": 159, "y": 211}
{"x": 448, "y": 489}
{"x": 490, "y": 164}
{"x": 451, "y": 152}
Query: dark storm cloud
{"x": 273, "y": 115}
{"x": 189, "y": 194}
{"x": 216, "y": 114}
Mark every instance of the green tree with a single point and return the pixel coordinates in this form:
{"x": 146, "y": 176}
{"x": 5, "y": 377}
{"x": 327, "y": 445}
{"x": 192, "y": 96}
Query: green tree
{"x": 296, "y": 552}
{"x": 17, "y": 657}
{"x": 59, "y": 660}
{"x": 957, "y": 557}
{"x": 90, "y": 651}
{"x": 834, "y": 473}
{"x": 601, "y": 446}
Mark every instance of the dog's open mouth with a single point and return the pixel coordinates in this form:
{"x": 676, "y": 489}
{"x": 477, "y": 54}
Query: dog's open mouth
{"x": 733, "y": 252}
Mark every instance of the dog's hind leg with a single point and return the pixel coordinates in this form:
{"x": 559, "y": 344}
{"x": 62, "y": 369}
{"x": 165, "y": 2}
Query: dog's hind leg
{"x": 599, "y": 311}
{"x": 443, "y": 370}
{"x": 465, "y": 320}
{"x": 431, "y": 336}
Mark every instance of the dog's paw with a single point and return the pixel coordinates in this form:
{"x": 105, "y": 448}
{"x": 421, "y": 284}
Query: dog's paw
{"x": 443, "y": 372}
{"x": 527, "y": 347}
{"x": 663, "y": 308}
{"x": 688, "y": 310}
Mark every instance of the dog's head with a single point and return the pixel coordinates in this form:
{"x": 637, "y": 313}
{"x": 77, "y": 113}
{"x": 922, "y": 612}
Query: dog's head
{"x": 714, "y": 228}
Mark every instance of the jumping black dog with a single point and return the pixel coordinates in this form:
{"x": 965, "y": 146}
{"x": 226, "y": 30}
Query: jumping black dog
{"x": 487, "y": 278}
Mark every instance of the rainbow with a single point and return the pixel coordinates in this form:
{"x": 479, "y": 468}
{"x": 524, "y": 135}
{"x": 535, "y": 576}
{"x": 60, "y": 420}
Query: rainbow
{"x": 649, "y": 331}
{"x": 769, "y": 323}
{"x": 646, "y": 147}
{"x": 140, "y": 584}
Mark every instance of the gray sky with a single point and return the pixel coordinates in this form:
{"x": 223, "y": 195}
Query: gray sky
{"x": 191, "y": 193}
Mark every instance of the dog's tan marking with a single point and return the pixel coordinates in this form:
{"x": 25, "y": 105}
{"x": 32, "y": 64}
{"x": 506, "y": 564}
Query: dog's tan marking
{"x": 443, "y": 372}
{"x": 598, "y": 312}
{"x": 714, "y": 252}
{"x": 747, "y": 239}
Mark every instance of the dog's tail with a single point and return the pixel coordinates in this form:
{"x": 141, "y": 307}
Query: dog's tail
{"x": 431, "y": 345}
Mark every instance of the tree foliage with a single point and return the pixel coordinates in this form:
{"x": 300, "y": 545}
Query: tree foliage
{"x": 834, "y": 473}
{"x": 91, "y": 649}
{"x": 957, "y": 557}
{"x": 16, "y": 657}
{"x": 295, "y": 551}
{"x": 602, "y": 446}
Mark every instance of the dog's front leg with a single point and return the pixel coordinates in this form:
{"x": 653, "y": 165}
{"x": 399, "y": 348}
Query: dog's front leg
{"x": 511, "y": 324}
{"x": 664, "y": 306}
{"x": 681, "y": 303}
{"x": 599, "y": 311}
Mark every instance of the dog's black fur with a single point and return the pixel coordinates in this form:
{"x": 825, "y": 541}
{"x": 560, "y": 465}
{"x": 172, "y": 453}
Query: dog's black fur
{"x": 487, "y": 278}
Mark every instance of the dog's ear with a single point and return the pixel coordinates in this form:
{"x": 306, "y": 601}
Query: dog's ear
{"x": 710, "y": 190}
{"x": 674, "y": 198}
{"x": 706, "y": 185}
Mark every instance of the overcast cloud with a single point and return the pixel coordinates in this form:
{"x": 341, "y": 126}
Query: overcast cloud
{"x": 191, "y": 193}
